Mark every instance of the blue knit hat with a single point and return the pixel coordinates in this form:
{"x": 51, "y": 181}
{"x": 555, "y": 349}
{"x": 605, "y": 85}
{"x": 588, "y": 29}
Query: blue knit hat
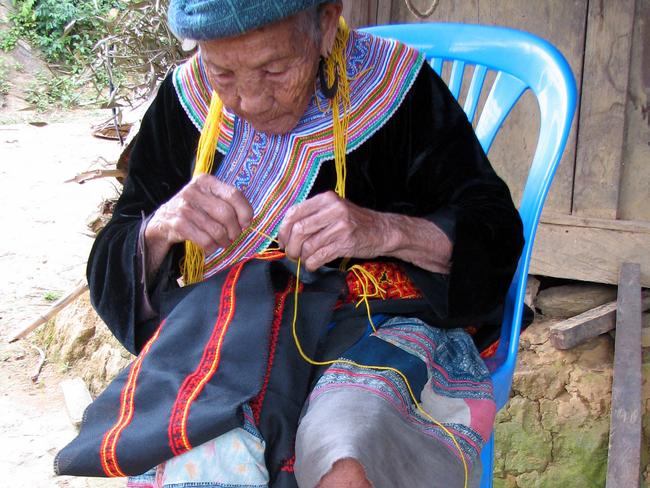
{"x": 212, "y": 19}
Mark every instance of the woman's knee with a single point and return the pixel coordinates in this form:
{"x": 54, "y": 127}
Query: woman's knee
{"x": 346, "y": 473}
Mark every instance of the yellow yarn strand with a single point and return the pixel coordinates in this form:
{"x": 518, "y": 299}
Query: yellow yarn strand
{"x": 337, "y": 63}
{"x": 193, "y": 263}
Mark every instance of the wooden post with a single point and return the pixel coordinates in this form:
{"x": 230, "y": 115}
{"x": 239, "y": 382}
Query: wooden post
{"x": 624, "y": 458}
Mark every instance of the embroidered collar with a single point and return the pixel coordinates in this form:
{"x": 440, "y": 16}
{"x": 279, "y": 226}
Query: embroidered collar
{"x": 276, "y": 172}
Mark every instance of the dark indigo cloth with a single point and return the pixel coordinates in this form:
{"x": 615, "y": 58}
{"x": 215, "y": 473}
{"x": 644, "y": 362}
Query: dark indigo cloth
{"x": 424, "y": 161}
{"x": 188, "y": 337}
{"x": 213, "y": 19}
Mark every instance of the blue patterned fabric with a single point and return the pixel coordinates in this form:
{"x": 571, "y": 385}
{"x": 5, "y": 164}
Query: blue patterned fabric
{"x": 212, "y": 19}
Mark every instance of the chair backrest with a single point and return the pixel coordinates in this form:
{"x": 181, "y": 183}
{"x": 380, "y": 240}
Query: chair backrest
{"x": 521, "y": 61}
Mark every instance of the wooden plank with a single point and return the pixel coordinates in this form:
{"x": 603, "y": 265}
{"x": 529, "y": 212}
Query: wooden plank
{"x": 634, "y": 193}
{"x": 602, "y": 111}
{"x": 579, "y": 329}
{"x": 624, "y": 459}
{"x": 589, "y": 254}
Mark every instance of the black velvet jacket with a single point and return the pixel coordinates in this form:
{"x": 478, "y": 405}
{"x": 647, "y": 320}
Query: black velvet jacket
{"x": 424, "y": 161}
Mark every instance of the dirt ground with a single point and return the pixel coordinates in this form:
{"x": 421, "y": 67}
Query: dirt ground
{"x": 43, "y": 251}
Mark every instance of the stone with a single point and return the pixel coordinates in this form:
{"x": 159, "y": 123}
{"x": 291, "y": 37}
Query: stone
{"x": 583, "y": 455}
{"x": 85, "y": 345}
{"x": 548, "y": 415}
{"x": 597, "y": 354}
{"x": 572, "y": 410}
{"x": 522, "y": 445}
{"x": 534, "y": 382}
{"x": 593, "y": 388}
{"x": 528, "y": 479}
{"x": 508, "y": 482}
{"x": 536, "y": 334}
{"x": 524, "y": 412}
{"x": 77, "y": 398}
{"x": 521, "y": 449}
{"x": 532, "y": 288}
{"x": 567, "y": 301}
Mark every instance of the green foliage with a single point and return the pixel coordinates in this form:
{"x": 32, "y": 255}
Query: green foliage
{"x": 23, "y": 25}
{"x": 65, "y": 30}
{"x": 125, "y": 44}
{"x": 49, "y": 92}
{"x": 51, "y": 296}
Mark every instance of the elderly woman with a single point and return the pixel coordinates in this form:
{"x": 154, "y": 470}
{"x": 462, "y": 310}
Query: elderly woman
{"x": 346, "y": 154}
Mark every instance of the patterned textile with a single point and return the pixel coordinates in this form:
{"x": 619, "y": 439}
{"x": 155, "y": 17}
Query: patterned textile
{"x": 393, "y": 283}
{"x": 275, "y": 172}
{"x": 212, "y": 19}
{"x": 232, "y": 460}
{"x": 350, "y": 402}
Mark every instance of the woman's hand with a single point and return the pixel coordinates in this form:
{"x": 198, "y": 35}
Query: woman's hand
{"x": 206, "y": 211}
{"x": 327, "y": 227}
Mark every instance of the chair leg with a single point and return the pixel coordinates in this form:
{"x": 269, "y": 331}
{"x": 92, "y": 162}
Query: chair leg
{"x": 487, "y": 460}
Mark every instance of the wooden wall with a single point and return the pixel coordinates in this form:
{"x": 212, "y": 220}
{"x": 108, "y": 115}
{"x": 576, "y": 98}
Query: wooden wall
{"x": 598, "y": 212}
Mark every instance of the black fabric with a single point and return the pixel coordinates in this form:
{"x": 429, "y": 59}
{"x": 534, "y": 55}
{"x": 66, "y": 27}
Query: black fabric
{"x": 425, "y": 161}
{"x": 242, "y": 362}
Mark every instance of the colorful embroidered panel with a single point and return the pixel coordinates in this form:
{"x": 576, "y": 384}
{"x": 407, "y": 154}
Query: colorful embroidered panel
{"x": 276, "y": 172}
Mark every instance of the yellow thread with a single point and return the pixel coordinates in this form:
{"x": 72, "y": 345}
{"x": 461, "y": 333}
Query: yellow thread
{"x": 337, "y": 63}
{"x": 365, "y": 366}
{"x": 193, "y": 263}
{"x": 365, "y": 278}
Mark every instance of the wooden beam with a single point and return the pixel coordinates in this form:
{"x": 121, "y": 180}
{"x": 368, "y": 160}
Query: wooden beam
{"x": 589, "y": 254}
{"x": 579, "y": 329}
{"x": 610, "y": 27}
{"x": 624, "y": 459}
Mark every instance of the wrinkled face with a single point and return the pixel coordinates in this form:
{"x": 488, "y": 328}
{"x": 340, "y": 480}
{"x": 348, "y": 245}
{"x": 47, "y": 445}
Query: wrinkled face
{"x": 265, "y": 76}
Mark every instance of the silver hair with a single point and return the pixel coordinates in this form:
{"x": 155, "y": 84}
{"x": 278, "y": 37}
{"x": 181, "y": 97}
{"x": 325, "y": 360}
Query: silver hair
{"x": 308, "y": 21}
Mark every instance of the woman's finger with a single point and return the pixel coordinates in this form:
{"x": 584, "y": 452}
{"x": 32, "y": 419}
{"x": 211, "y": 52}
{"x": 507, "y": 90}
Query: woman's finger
{"x": 230, "y": 195}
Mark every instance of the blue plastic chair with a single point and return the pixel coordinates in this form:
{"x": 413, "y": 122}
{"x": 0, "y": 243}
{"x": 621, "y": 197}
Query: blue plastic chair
{"x": 521, "y": 61}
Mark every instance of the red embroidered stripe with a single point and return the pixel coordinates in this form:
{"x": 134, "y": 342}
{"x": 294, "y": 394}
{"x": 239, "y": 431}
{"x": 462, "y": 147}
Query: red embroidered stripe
{"x": 280, "y": 301}
{"x": 207, "y": 367}
{"x": 107, "y": 451}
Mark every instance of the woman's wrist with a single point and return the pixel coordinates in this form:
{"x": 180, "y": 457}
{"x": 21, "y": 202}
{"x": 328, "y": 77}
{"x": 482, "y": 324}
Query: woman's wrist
{"x": 417, "y": 241}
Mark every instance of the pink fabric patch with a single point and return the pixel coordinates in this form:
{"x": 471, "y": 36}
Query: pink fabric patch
{"x": 482, "y": 414}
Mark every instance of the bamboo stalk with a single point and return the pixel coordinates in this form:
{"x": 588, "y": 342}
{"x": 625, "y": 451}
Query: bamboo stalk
{"x": 51, "y": 312}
